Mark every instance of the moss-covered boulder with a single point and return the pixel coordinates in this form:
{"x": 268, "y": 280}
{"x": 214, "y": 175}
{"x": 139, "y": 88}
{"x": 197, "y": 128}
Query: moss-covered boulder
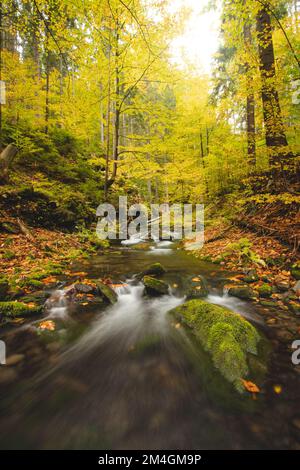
{"x": 19, "y": 309}
{"x": 242, "y": 292}
{"x": 227, "y": 336}
{"x": 155, "y": 269}
{"x": 155, "y": 287}
{"x": 106, "y": 292}
{"x": 265, "y": 290}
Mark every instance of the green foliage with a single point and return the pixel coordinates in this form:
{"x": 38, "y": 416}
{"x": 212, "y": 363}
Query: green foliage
{"x": 242, "y": 249}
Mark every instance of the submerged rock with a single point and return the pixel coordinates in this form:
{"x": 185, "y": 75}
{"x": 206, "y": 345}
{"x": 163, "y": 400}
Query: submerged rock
{"x": 227, "y": 336}
{"x": 155, "y": 287}
{"x": 242, "y": 292}
{"x": 106, "y": 292}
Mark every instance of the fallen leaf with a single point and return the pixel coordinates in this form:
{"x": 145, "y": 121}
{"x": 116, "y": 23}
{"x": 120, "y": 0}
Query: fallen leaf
{"x": 47, "y": 325}
{"x": 250, "y": 386}
{"x": 277, "y": 389}
{"x": 196, "y": 279}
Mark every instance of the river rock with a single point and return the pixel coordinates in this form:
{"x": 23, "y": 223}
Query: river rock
{"x": 251, "y": 276}
{"x": 242, "y": 292}
{"x": 106, "y": 292}
{"x": 155, "y": 287}
{"x": 82, "y": 288}
{"x": 196, "y": 289}
{"x": 226, "y": 336}
{"x": 265, "y": 290}
{"x": 155, "y": 269}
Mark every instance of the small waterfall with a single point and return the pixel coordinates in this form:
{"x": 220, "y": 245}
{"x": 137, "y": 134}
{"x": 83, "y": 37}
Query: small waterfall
{"x": 57, "y": 304}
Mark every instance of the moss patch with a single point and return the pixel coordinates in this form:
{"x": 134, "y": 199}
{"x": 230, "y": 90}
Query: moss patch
{"x": 227, "y": 336}
{"x": 155, "y": 287}
{"x": 19, "y": 309}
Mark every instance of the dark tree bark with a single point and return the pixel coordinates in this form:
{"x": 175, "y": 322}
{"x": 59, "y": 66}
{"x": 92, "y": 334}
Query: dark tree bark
{"x": 274, "y": 129}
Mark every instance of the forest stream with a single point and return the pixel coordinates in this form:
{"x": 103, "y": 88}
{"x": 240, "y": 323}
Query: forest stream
{"x": 127, "y": 376}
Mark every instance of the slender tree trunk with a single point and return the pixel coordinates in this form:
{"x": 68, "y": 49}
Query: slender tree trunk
{"x": 250, "y": 104}
{"x": 117, "y": 111}
{"x": 274, "y": 130}
{"x": 106, "y": 186}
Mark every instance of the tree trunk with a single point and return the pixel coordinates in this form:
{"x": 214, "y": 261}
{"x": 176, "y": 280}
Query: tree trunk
{"x": 250, "y": 105}
{"x": 6, "y": 158}
{"x": 274, "y": 130}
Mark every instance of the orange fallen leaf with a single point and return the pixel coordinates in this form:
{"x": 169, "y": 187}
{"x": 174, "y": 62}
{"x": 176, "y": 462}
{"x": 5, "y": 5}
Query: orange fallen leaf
{"x": 196, "y": 279}
{"x": 47, "y": 325}
{"x": 250, "y": 386}
{"x": 84, "y": 303}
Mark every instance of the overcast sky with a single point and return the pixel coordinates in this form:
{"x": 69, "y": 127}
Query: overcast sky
{"x": 201, "y": 38}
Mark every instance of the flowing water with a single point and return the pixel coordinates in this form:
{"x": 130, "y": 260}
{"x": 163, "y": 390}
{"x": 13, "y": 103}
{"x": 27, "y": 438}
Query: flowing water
{"x": 126, "y": 376}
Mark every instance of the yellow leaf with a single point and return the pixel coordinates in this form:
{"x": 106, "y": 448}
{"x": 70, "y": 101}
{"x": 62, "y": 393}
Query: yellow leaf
{"x": 277, "y": 389}
{"x": 47, "y": 325}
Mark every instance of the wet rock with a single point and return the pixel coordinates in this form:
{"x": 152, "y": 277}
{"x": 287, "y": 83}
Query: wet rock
{"x": 196, "y": 288}
{"x": 7, "y": 375}
{"x": 15, "y": 359}
{"x": 251, "y": 276}
{"x": 265, "y": 290}
{"x": 281, "y": 285}
{"x": 82, "y": 288}
{"x": 284, "y": 336}
{"x": 155, "y": 269}
{"x": 106, "y": 292}
{"x": 242, "y": 292}
{"x": 155, "y": 287}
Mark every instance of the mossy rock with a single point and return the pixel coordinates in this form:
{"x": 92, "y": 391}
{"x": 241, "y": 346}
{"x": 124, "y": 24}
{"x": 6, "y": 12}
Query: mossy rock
{"x": 265, "y": 290}
{"x": 155, "y": 269}
{"x": 268, "y": 304}
{"x": 106, "y": 292}
{"x": 242, "y": 292}
{"x": 35, "y": 283}
{"x": 196, "y": 288}
{"x": 19, "y": 309}
{"x": 294, "y": 307}
{"x": 155, "y": 287}
{"x": 227, "y": 336}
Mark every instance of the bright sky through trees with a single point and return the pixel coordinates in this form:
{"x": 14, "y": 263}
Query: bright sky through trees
{"x": 200, "y": 41}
